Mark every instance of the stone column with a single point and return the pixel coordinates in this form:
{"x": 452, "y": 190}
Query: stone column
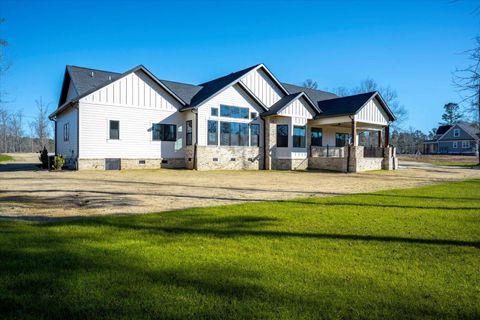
{"x": 270, "y": 141}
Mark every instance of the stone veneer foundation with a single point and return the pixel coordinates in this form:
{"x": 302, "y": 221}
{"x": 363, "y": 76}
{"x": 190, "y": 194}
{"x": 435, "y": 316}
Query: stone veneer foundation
{"x": 99, "y": 164}
{"x": 229, "y": 158}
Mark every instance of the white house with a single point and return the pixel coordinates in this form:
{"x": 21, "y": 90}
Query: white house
{"x": 244, "y": 120}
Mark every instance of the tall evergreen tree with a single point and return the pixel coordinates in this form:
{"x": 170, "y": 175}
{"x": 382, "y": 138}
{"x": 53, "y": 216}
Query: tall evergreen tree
{"x": 452, "y": 114}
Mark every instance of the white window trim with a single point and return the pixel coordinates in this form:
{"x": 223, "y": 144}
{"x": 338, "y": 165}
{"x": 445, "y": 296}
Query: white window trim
{"x": 456, "y": 132}
{"x": 466, "y": 144}
{"x": 108, "y": 131}
{"x": 455, "y": 145}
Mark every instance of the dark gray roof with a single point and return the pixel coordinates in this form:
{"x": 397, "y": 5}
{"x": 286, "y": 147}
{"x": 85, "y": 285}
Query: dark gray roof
{"x": 313, "y": 94}
{"x": 212, "y": 87}
{"x": 443, "y": 129}
{"x": 348, "y": 105}
{"x": 280, "y": 104}
{"x": 470, "y": 128}
{"x": 184, "y": 90}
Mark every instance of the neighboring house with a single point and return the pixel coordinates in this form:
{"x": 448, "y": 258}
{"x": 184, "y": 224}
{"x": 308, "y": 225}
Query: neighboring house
{"x": 461, "y": 138}
{"x": 245, "y": 120}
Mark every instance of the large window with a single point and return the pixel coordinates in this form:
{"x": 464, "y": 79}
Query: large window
{"x": 255, "y": 135}
{"x": 233, "y": 134}
{"x": 342, "y": 139}
{"x": 212, "y": 132}
{"x": 299, "y": 134}
{"x": 188, "y": 133}
{"x": 233, "y": 112}
{"x": 316, "y": 137}
{"x": 66, "y": 132}
{"x": 114, "y": 130}
{"x": 282, "y": 136}
{"x": 164, "y": 132}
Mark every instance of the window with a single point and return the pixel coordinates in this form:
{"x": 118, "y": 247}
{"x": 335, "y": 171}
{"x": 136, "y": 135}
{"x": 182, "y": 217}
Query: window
{"x": 164, "y": 132}
{"x": 212, "y": 133}
{"x": 282, "y": 136}
{"x": 316, "y": 137}
{"x": 299, "y": 137}
{"x": 253, "y": 115}
{"x": 342, "y": 139}
{"x": 214, "y": 112}
{"x": 255, "y": 135}
{"x": 233, "y": 112}
{"x": 114, "y": 130}
{"x": 233, "y": 134}
{"x": 188, "y": 133}
{"x": 456, "y": 132}
{"x": 455, "y": 144}
{"x": 465, "y": 144}
{"x": 66, "y": 132}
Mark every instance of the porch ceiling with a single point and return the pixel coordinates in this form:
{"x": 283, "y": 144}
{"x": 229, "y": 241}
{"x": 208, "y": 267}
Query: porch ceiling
{"x": 345, "y": 122}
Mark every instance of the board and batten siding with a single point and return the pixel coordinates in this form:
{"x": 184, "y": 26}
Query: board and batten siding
{"x": 296, "y": 113}
{"x": 372, "y": 112}
{"x": 232, "y": 96}
{"x": 136, "y": 102}
{"x": 263, "y": 87}
{"x": 67, "y": 148}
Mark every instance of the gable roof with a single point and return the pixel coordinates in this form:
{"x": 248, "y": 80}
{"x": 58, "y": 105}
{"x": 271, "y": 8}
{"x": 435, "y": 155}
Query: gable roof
{"x": 314, "y": 94}
{"x": 281, "y": 104}
{"x": 105, "y": 79}
{"x": 469, "y": 128}
{"x": 350, "y": 105}
{"x": 442, "y": 129}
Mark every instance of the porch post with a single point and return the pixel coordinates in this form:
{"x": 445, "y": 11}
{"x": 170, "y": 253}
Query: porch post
{"x": 354, "y": 133}
{"x": 380, "y": 138}
{"x": 387, "y": 135}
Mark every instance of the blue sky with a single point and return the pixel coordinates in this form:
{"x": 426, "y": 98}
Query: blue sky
{"x": 413, "y": 46}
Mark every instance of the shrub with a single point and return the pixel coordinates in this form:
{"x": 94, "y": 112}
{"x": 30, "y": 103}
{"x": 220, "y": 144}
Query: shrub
{"x": 58, "y": 162}
{"x": 44, "y": 157}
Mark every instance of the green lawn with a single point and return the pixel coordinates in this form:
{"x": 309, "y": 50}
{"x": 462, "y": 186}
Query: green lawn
{"x": 4, "y": 157}
{"x": 401, "y": 254}
{"x": 456, "y": 164}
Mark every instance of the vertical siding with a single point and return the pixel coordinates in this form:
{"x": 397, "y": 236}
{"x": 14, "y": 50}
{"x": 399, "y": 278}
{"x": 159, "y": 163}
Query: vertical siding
{"x": 263, "y": 87}
{"x": 234, "y": 96}
{"x": 137, "y": 102}
{"x": 298, "y": 108}
{"x": 67, "y": 148}
{"x": 372, "y": 112}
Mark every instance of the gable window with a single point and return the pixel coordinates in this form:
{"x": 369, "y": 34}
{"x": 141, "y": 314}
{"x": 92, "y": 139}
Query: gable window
{"x": 66, "y": 131}
{"x": 233, "y": 112}
{"x": 465, "y": 144}
{"x": 255, "y": 135}
{"x": 456, "y": 132}
{"x": 233, "y": 134}
{"x": 164, "y": 132}
{"x": 214, "y": 112}
{"x": 299, "y": 134}
{"x": 316, "y": 137}
{"x": 455, "y": 144}
{"x": 342, "y": 139}
{"x": 189, "y": 133}
{"x": 212, "y": 133}
{"x": 282, "y": 136}
{"x": 114, "y": 130}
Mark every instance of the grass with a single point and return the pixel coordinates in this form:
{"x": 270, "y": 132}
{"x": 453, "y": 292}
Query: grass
{"x": 4, "y": 157}
{"x": 401, "y": 254}
{"x": 455, "y": 164}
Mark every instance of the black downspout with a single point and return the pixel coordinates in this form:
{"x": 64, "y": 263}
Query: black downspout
{"x": 264, "y": 145}
{"x": 195, "y": 165}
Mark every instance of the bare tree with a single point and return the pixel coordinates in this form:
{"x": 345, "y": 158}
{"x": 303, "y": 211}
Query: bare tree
{"x": 310, "y": 84}
{"x": 16, "y": 131}
{"x": 41, "y": 123}
{"x": 467, "y": 81}
{"x": 388, "y": 94}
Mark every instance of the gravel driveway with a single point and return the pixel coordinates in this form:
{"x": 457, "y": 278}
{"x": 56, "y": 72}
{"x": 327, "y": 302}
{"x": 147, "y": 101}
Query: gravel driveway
{"x": 27, "y": 193}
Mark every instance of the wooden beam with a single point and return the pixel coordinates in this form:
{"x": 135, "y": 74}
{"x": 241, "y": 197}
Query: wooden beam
{"x": 379, "y": 138}
{"x": 387, "y": 136}
{"x": 354, "y": 133}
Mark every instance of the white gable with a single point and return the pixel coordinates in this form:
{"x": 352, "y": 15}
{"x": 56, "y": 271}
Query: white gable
{"x": 298, "y": 108}
{"x": 263, "y": 87}
{"x": 135, "y": 89}
{"x": 372, "y": 112}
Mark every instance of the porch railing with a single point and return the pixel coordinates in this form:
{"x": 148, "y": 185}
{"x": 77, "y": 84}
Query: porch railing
{"x": 327, "y": 152}
{"x": 372, "y": 152}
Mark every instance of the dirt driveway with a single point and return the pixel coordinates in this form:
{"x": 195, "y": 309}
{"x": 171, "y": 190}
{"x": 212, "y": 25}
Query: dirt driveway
{"x": 39, "y": 194}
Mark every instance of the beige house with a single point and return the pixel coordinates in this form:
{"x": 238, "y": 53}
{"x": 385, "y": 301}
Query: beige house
{"x": 244, "y": 120}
